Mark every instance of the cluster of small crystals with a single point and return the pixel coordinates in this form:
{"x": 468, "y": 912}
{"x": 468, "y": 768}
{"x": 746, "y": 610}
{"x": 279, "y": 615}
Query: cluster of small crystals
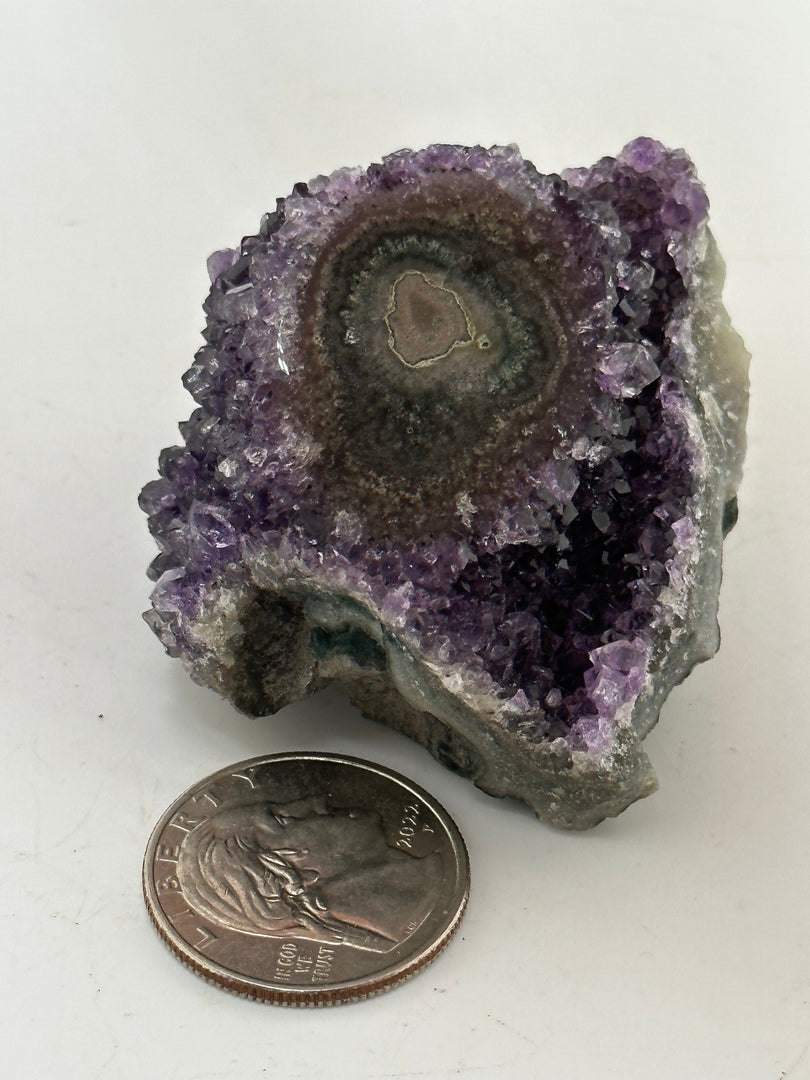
{"x": 551, "y": 601}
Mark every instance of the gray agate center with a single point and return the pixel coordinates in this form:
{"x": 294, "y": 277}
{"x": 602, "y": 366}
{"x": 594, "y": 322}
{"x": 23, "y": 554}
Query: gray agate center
{"x": 427, "y": 321}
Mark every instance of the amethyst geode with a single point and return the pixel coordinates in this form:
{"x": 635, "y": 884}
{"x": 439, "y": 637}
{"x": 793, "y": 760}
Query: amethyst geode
{"x": 468, "y": 443}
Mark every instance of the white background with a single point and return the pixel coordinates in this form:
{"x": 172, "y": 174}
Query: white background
{"x": 670, "y": 944}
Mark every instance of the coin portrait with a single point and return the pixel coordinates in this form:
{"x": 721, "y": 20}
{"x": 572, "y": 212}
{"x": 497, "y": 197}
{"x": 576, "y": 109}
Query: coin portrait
{"x": 304, "y": 868}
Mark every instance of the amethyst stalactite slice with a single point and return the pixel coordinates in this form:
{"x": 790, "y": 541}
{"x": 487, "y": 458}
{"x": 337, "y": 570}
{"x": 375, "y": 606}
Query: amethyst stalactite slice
{"x": 468, "y": 442}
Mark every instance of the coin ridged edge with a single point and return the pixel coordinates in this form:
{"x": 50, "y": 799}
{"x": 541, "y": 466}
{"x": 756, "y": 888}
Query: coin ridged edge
{"x": 309, "y": 1000}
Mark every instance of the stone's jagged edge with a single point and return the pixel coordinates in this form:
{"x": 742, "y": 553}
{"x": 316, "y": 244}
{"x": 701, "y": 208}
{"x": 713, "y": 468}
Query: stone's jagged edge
{"x": 265, "y": 603}
{"x": 720, "y": 434}
{"x": 566, "y": 788}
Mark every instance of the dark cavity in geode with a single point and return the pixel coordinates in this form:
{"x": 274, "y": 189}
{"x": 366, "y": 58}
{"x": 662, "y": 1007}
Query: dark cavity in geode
{"x": 468, "y": 442}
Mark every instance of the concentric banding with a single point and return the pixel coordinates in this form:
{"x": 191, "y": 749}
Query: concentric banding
{"x": 435, "y": 327}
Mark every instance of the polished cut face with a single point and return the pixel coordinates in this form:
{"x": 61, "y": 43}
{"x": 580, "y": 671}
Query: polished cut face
{"x": 468, "y": 438}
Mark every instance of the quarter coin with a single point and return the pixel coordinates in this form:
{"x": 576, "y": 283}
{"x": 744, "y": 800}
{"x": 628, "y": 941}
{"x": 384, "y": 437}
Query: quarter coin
{"x": 306, "y": 879}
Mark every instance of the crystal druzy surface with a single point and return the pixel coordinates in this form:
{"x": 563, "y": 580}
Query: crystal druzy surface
{"x": 468, "y": 441}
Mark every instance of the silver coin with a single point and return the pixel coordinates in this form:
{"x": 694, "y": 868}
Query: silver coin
{"x": 306, "y": 879}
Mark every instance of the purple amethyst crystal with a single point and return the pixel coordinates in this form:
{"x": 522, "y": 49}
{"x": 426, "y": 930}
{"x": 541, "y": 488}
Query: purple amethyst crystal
{"x": 468, "y": 441}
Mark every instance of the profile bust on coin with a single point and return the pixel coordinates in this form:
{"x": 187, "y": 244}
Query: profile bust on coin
{"x": 306, "y": 868}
